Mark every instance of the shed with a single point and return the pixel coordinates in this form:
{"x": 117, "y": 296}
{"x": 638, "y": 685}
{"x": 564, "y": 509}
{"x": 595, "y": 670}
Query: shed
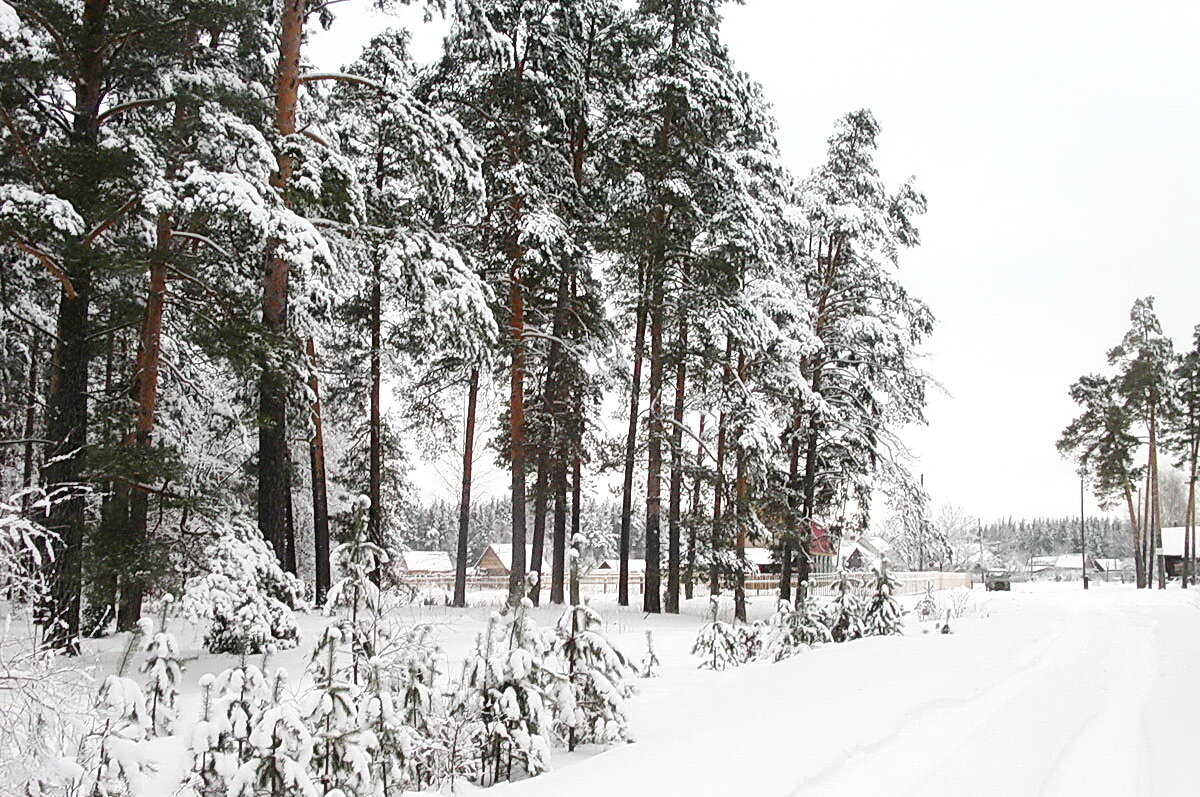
{"x": 1172, "y": 549}
{"x": 425, "y": 563}
{"x": 496, "y": 560}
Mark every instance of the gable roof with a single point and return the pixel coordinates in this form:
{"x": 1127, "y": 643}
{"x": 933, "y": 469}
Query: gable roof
{"x": 1172, "y": 541}
{"x": 426, "y": 561}
{"x": 635, "y": 565}
{"x": 504, "y": 551}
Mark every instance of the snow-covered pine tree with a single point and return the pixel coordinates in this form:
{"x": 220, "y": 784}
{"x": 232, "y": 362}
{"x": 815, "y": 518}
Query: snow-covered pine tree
{"x": 356, "y": 593}
{"x": 208, "y": 776}
{"x": 598, "y": 676}
{"x": 792, "y": 630}
{"x": 717, "y": 644}
{"x": 280, "y": 750}
{"x": 163, "y": 671}
{"x": 242, "y": 694}
{"x": 244, "y": 593}
{"x": 844, "y": 614}
{"x": 330, "y": 712}
{"x": 506, "y": 684}
{"x": 883, "y": 615}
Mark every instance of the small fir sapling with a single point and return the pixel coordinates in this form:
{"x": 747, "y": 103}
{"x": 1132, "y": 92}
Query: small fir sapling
{"x": 883, "y": 615}
{"x": 506, "y": 683}
{"x": 717, "y": 643}
{"x": 330, "y": 712}
{"x": 650, "y": 662}
{"x": 387, "y": 739}
{"x": 422, "y": 706}
{"x": 280, "y": 750}
{"x": 844, "y": 614}
{"x": 750, "y": 640}
{"x": 792, "y": 630}
{"x": 243, "y": 694}
{"x": 116, "y": 764}
{"x": 597, "y": 676}
{"x": 206, "y": 775}
{"x": 163, "y": 672}
{"x": 356, "y": 592}
{"x": 927, "y": 608}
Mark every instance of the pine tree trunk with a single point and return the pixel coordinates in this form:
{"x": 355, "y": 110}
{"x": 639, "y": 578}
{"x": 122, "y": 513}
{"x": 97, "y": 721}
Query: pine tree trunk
{"x": 741, "y": 511}
{"x": 639, "y": 344}
{"x": 274, "y": 462}
{"x": 67, "y": 402}
{"x": 689, "y": 579}
{"x": 651, "y": 594}
{"x": 558, "y": 566}
{"x": 33, "y": 397}
{"x": 516, "y": 432}
{"x": 791, "y": 533}
{"x": 537, "y": 549}
{"x": 464, "y": 505}
{"x": 320, "y": 503}
{"x": 375, "y": 421}
{"x": 1139, "y": 567}
{"x": 576, "y": 494}
{"x": 675, "y": 499}
{"x": 718, "y": 544}
{"x": 1155, "y": 499}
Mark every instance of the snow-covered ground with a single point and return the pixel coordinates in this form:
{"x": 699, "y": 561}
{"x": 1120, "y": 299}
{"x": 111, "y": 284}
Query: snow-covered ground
{"x": 1046, "y": 690}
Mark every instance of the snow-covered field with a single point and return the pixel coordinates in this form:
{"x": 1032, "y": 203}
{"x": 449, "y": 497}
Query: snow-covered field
{"x": 1046, "y": 690}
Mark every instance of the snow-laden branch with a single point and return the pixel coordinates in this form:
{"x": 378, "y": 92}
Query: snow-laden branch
{"x": 129, "y": 106}
{"x": 362, "y": 81}
{"x": 204, "y": 239}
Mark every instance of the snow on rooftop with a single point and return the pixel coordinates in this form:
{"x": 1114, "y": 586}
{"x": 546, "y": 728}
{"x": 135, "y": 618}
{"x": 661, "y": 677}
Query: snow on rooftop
{"x": 1172, "y": 541}
{"x": 426, "y": 561}
{"x": 635, "y": 565}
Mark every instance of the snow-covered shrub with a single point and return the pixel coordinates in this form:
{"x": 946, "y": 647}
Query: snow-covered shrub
{"x": 505, "y": 687}
{"x": 650, "y": 662}
{"x": 883, "y": 615}
{"x": 844, "y": 614}
{"x": 792, "y": 630}
{"x": 717, "y": 644}
{"x": 45, "y": 700}
{"x": 330, "y": 712}
{"x": 242, "y": 694}
{"x": 207, "y": 777}
{"x": 280, "y": 750}
{"x": 112, "y": 761}
{"x": 248, "y": 598}
{"x": 927, "y": 608}
{"x": 163, "y": 672}
{"x": 597, "y": 676}
{"x": 750, "y": 638}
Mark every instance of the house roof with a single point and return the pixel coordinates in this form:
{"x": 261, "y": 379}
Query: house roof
{"x": 820, "y": 543}
{"x": 758, "y": 556}
{"x": 504, "y": 551}
{"x": 426, "y": 561}
{"x": 635, "y": 565}
{"x": 1066, "y": 561}
{"x": 1110, "y": 565}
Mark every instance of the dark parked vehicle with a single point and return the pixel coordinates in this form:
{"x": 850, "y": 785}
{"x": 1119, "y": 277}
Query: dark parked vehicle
{"x": 997, "y": 579}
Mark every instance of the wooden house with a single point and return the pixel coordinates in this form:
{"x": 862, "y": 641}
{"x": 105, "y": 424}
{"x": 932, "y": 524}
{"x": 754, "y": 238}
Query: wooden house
{"x": 1172, "y": 550}
{"x": 424, "y": 563}
{"x": 496, "y": 560}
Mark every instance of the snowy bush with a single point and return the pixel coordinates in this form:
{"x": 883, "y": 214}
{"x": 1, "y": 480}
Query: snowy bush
{"x": 883, "y": 615}
{"x": 330, "y": 712}
{"x": 163, "y": 672}
{"x": 280, "y": 750}
{"x": 597, "y": 675}
{"x": 844, "y": 614}
{"x": 246, "y": 596}
{"x": 718, "y": 644}
{"x": 792, "y": 630}
{"x": 207, "y": 777}
{"x": 505, "y": 687}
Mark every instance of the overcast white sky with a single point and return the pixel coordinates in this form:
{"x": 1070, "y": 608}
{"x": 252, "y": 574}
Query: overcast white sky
{"x": 1057, "y": 143}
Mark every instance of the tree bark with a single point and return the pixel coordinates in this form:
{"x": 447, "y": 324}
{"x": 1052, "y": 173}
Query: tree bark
{"x": 557, "y": 568}
{"x": 651, "y": 594}
{"x": 320, "y": 502}
{"x": 741, "y": 510}
{"x": 689, "y": 581}
{"x": 274, "y": 462}
{"x": 675, "y": 499}
{"x": 375, "y": 420}
{"x": 791, "y": 533}
{"x": 1155, "y": 500}
{"x": 714, "y": 576}
{"x": 576, "y": 493}
{"x": 33, "y": 397}
{"x": 464, "y": 505}
{"x": 1139, "y": 566}
{"x": 639, "y": 344}
{"x": 537, "y": 549}
{"x": 516, "y": 431}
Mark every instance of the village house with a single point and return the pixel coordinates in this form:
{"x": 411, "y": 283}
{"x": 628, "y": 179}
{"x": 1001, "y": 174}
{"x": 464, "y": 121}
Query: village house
{"x": 496, "y": 560}
{"x": 424, "y": 563}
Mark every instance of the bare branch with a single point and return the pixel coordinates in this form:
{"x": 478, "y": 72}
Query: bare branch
{"x": 362, "y": 81}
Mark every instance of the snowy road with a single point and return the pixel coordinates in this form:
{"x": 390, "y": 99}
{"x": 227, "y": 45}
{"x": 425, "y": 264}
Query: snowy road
{"x": 1055, "y": 692}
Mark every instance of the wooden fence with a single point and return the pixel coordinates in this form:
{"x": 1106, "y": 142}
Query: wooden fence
{"x": 910, "y": 583}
